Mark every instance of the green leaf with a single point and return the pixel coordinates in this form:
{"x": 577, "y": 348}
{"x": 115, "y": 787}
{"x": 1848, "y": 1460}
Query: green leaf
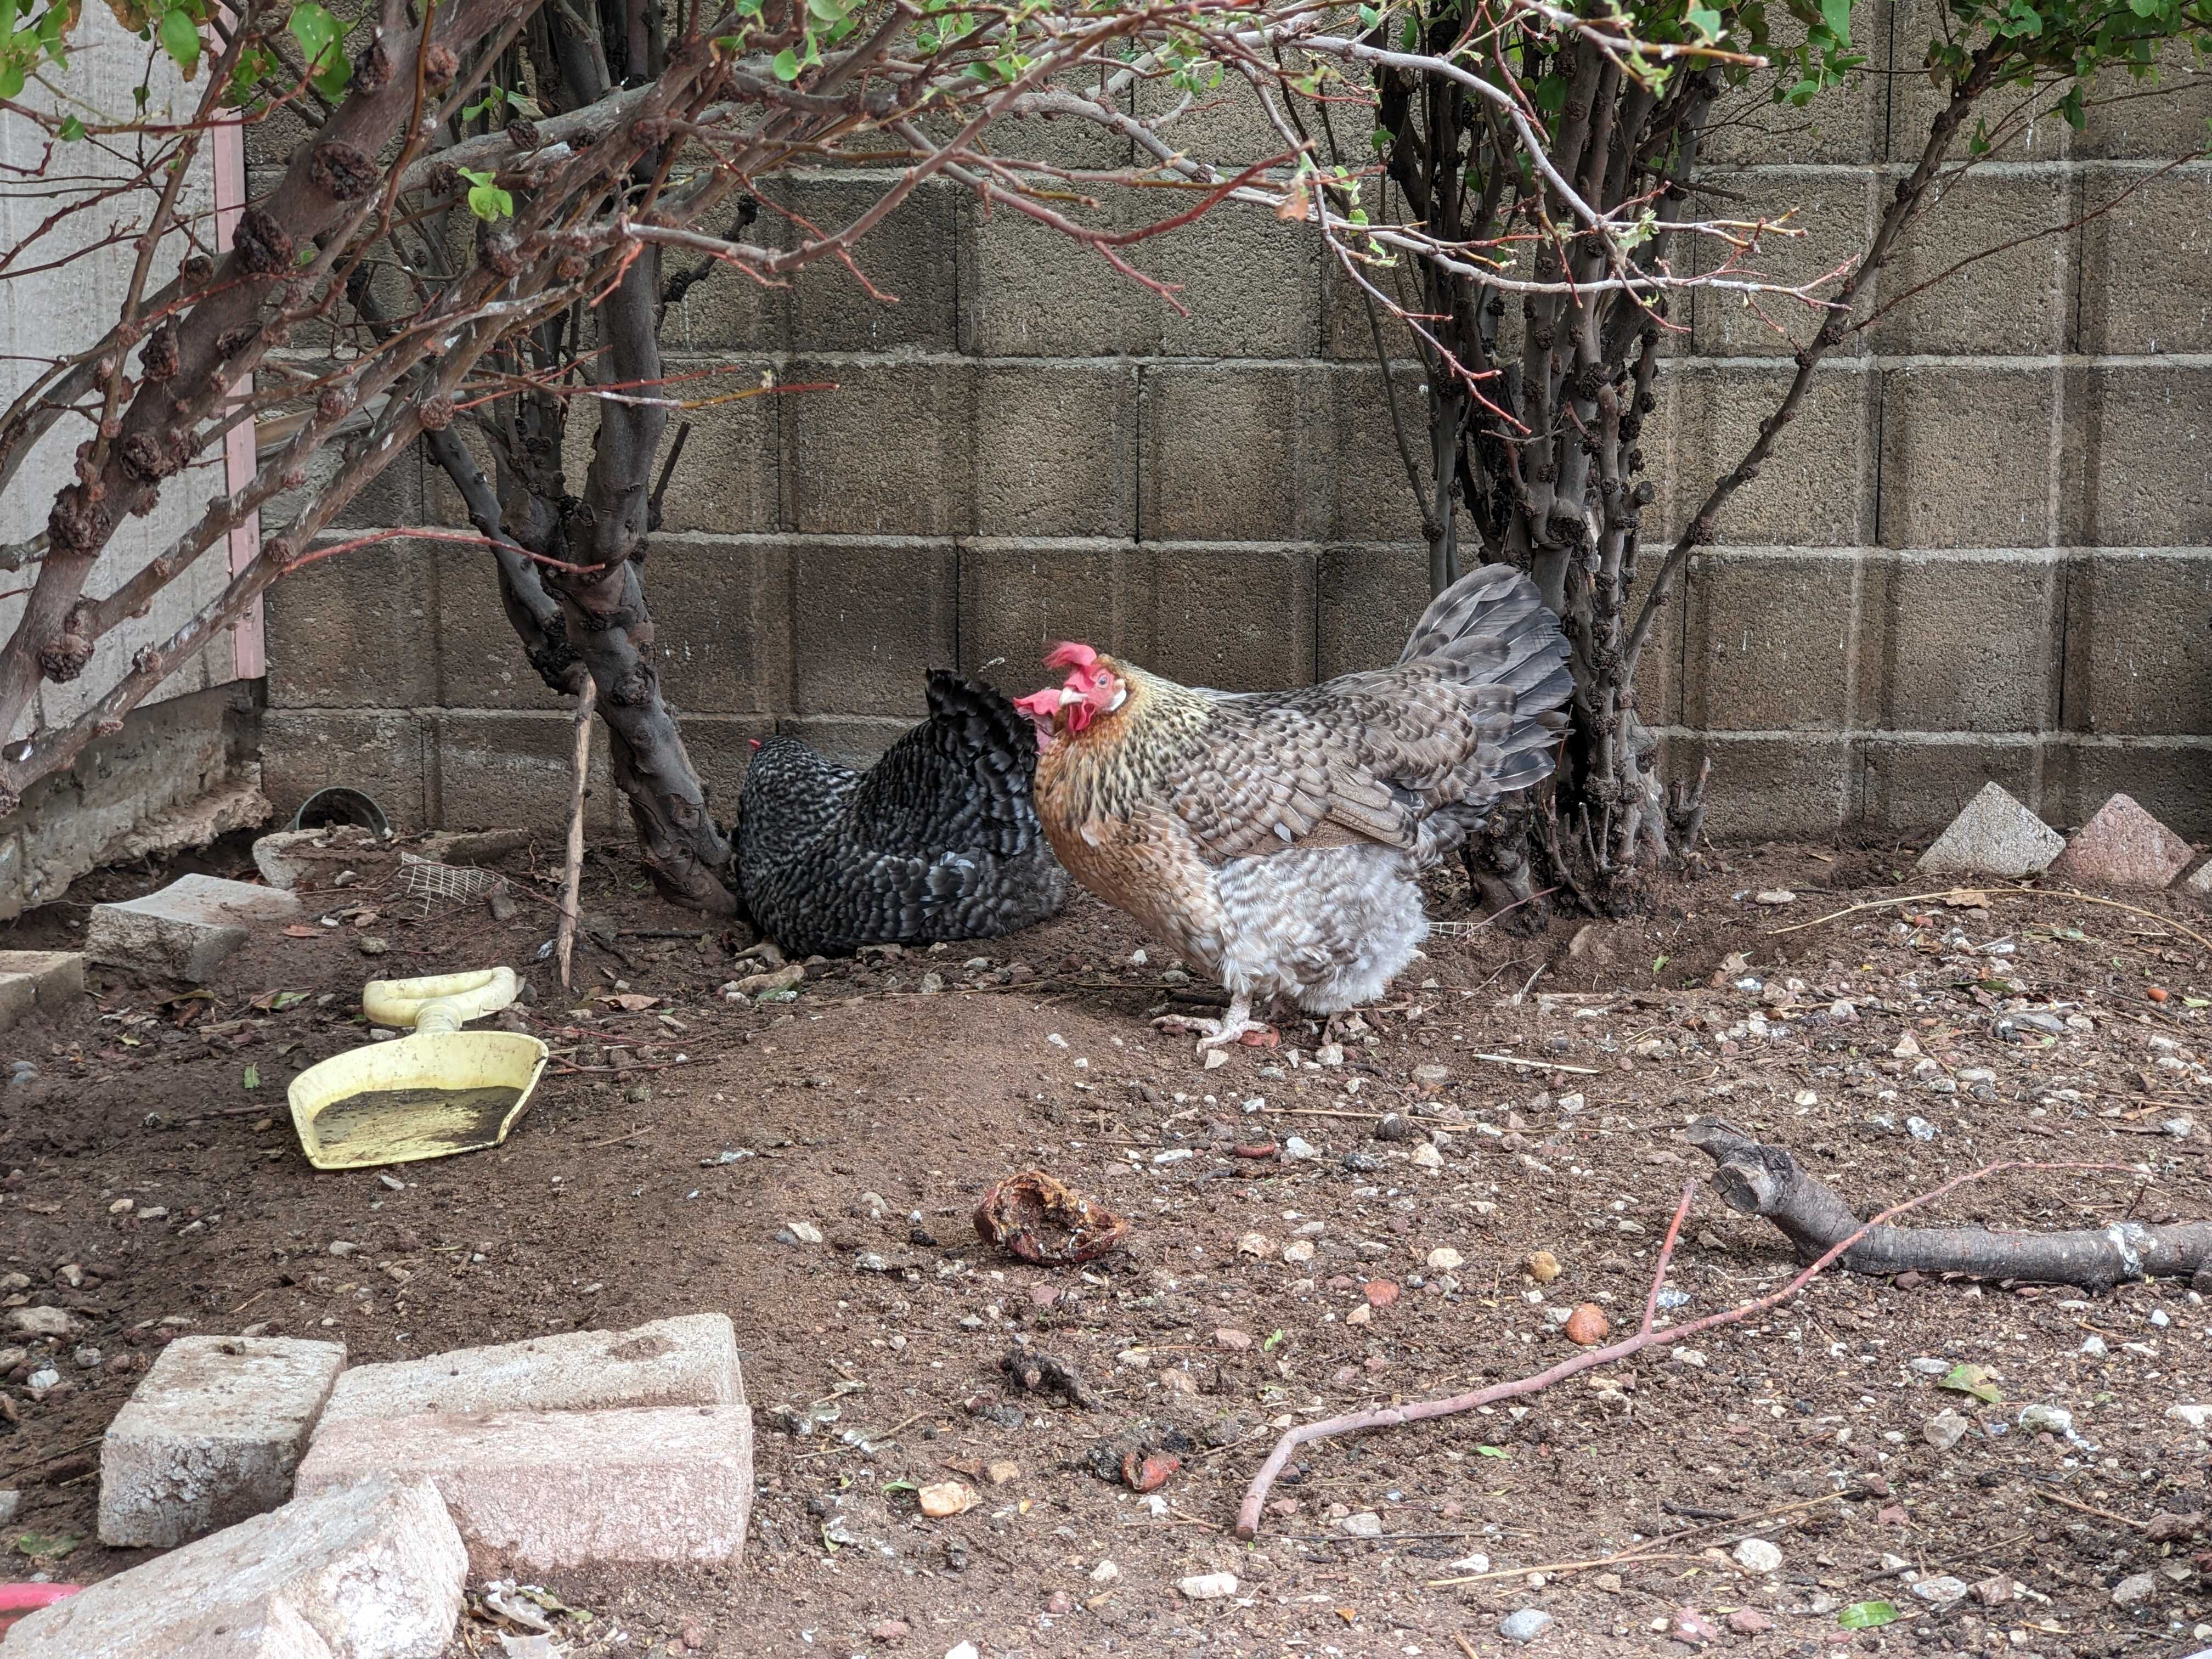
{"x": 181, "y": 39}
{"x": 71, "y": 130}
{"x": 322, "y": 42}
{"x": 2196, "y": 1002}
{"x": 43, "y": 1547}
{"x": 490, "y": 204}
{"x": 1270, "y": 1345}
{"x": 1707, "y": 22}
{"x": 786, "y": 64}
{"x": 252, "y": 1078}
{"x": 1658, "y": 963}
{"x": 1492, "y": 1451}
{"x": 11, "y": 79}
{"x": 1836, "y": 15}
{"x": 1968, "y": 1378}
{"x": 1867, "y": 1616}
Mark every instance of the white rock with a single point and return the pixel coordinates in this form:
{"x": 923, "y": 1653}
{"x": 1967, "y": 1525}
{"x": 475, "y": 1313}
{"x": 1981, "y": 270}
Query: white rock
{"x": 962, "y": 1651}
{"x": 1427, "y": 1156}
{"x": 1758, "y": 1555}
{"x": 1476, "y": 1563}
{"x": 1993, "y": 835}
{"x": 1444, "y": 1259}
{"x": 1297, "y": 1250}
{"x": 375, "y": 1571}
{"x": 1942, "y": 1591}
{"x": 1105, "y": 1573}
{"x": 1525, "y": 1625}
{"x": 1366, "y": 1524}
{"x": 1298, "y": 1149}
{"x": 2138, "y": 1587}
{"x": 1945, "y": 1430}
{"x": 1198, "y": 1586}
{"x": 2196, "y": 1416}
{"x": 2039, "y": 1418}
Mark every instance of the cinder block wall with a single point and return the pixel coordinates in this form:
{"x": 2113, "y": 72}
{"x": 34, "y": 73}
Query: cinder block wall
{"x": 1992, "y": 526}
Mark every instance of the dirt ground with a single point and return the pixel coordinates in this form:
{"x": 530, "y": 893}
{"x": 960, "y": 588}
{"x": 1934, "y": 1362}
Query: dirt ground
{"x": 685, "y": 1155}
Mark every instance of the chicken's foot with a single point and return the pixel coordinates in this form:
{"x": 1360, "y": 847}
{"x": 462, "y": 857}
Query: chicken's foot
{"x": 1231, "y": 1027}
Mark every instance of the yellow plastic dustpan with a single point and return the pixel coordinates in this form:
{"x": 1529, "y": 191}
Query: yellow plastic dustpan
{"x": 441, "y": 1091}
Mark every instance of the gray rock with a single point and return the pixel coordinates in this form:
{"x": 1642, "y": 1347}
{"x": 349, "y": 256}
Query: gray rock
{"x": 2200, "y": 880}
{"x": 1526, "y": 1625}
{"x": 186, "y": 930}
{"x": 1945, "y": 1430}
{"x": 1943, "y": 1591}
{"x": 34, "y": 979}
{"x": 2039, "y": 1418}
{"x": 40, "y": 1321}
{"x": 1995, "y": 836}
{"x": 1929, "y": 1366}
{"x": 1758, "y": 1555}
{"x": 2137, "y": 1587}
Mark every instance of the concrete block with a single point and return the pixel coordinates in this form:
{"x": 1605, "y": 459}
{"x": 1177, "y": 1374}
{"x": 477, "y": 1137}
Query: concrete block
{"x": 1844, "y": 123}
{"x": 2138, "y": 651}
{"x": 1771, "y": 636}
{"x": 1915, "y": 100}
{"x": 2146, "y": 261}
{"x": 720, "y": 747}
{"x": 1930, "y": 679}
{"x": 869, "y": 618}
{"x": 1768, "y": 788}
{"x": 1226, "y": 128}
{"x": 383, "y": 753}
{"x": 517, "y": 769}
{"x": 1919, "y": 782}
{"x": 1055, "y": 449}
{"x": 726, "y": 311}
{"x": 1966, "y": 457}
{"x": 186, "y": 930}
{"x": 1817, "y": 487}
{"x": 1836, "y": 212}
{"x": 374, "y": 1570}
{"x": 721, "y": 611}
{"x": 2156, "y": 118}
{"x": 1237, "y": 618}
{"x": 1772, "y": 641}
{"x": 2136, "y": 437}
{"x": 841, "y": 478}
{"x": 1019, "y": 599}
{"x": 360, "y": 630}
{"x": 392, "y": 498}
{"x": 2122, "y": 846}
{"x": 1371, "y": 595}
{"x": 1995, "y": 836}
{"x": 690, "y": 1360}
{"x": 2169, "y": 776}
{"x": 210, "y": 1437}
{"x": 200, "y": 822}
{"x": 480, "y": 662}
{"x": 37, "y": 979}
{"x": 2018, "y": 302}
{"x": 1232, "y": 452}
{"x": 855, "y": 740}
{"x": 1249, "y": 282}
{"x": 565, "y": 1489}
{"x": 729, "y": 478}
{"x": 907, "y": 259}
{"x": 1369, "y": 498}
{"x": 1027, "y": 290}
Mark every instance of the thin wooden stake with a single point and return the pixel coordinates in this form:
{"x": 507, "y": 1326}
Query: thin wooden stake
{"x": 572, "y": 877}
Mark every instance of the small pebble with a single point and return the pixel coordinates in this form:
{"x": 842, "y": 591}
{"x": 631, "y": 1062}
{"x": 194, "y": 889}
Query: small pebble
{"x": 1526, "y": 1625}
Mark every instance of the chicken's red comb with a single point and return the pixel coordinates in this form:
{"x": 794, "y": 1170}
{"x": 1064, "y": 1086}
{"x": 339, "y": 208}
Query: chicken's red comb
{"x": 1070, "y": 654}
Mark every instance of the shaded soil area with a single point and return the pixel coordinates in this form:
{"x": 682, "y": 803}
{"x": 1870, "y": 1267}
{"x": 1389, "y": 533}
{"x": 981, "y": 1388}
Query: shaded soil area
{"x": 810, "y": 1166}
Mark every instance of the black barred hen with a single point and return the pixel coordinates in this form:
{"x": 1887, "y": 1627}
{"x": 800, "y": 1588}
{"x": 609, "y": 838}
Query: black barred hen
{"x": 939, "y": 840}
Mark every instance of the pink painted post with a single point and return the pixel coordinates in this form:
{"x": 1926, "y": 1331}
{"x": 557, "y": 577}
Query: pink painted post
{"x": 249, "y": 651}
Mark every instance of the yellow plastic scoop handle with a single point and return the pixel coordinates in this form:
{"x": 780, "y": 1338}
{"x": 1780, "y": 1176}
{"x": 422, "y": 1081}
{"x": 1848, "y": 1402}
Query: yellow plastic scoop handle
{"x": 443, "y": 1002}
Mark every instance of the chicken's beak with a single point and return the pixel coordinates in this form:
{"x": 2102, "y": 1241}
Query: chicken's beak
{"x": 1068, "y": 694}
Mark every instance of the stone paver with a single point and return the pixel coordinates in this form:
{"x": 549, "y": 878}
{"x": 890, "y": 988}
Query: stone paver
{"x": 186, "y": 930}
{"x": 2122, "y": 846}
{"x": 1993, "y": 835}
{"x": 37, "y": 979}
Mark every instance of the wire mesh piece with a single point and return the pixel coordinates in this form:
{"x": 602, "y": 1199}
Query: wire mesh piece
{"x": 441, "y": 886}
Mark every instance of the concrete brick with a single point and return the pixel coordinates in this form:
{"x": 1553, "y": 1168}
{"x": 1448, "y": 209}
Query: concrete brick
{"x": 1369, "y": 498}
{"x": 843, "y": 476}
{"x": 1055, "y": 449}
{"x": 1238, "y": 618}
{"x": 1834, "y": 209}
{"x": 381, "y": 752}
{"x": 2122, "y": 846}
{"x": 1816, "y": 490}
{"x": 1250, "y": 284}
{"x": 1915, "y": 100}
{"x": 1966, "y": 457}
{"x": 2138, "y": 649}
{"x": 720, "y": 747}
{"x": 1231, "y": 453}
{"x": 361, "y": 631}
{"x": 729, "y": 477}
{"x": 565, "y": 1489}
{"x": 2018, "y": 302}
{"x": 186, "y": 930}
{"x": 37, "y": 979}
{"x": 1773, "y": 641}
{"x": 210, "y": 1437}
{"x": 1027, "y": 290}
{"x": 690, "y": 1360}
{"x": 480, "y": 661}
{"x": 868, "y": 620}
{"x": 1226, "y": 128}
{"x": 375, "y": 1571}
{"x": 2146, "y": 262}
{"x": 1972, "y": 644}
{"x": 1019, "y": 599}
{"x": 908, "y": 258}
{"x": 1768, "y": 788}
{"x": 856, "y": 740}
{"x": 1843, "y": 123}
{"x": 515, "y": 770}
{"x": 2166, "y": 775}
{"x": 1919, "y": 782}
{"x": 721, "y": 611}
{"x": 392, "y": 498}
{"x": 2134, "y": 476}
{"x": 2158, "y": 118}
{"x": 728, "y": 311}
{"x": 1371, "y": 595}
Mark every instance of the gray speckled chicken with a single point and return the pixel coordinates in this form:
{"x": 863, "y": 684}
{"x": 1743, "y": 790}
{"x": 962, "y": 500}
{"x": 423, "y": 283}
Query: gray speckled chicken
{"x": 1272, "y": 838}
{"x": 939, "y": 840}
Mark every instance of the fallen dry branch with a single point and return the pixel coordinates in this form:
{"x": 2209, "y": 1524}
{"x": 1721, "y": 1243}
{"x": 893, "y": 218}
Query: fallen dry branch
{"x": 1391, "y": 1417}
{"x": 1990, "y": 893}
{"x": 1766, "y": 1180}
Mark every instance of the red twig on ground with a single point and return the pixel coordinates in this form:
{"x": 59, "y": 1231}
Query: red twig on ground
{"x": 1666, "y": 1255}
{"x": 1390, "y": 1417}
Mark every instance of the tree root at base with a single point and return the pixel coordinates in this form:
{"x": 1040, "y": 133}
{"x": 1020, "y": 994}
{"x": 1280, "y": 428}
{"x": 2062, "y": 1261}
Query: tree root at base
{"x": 1755, "y": 1179}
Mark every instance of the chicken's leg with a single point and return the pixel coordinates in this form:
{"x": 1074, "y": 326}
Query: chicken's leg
{"x": 1235, "y": 1021}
